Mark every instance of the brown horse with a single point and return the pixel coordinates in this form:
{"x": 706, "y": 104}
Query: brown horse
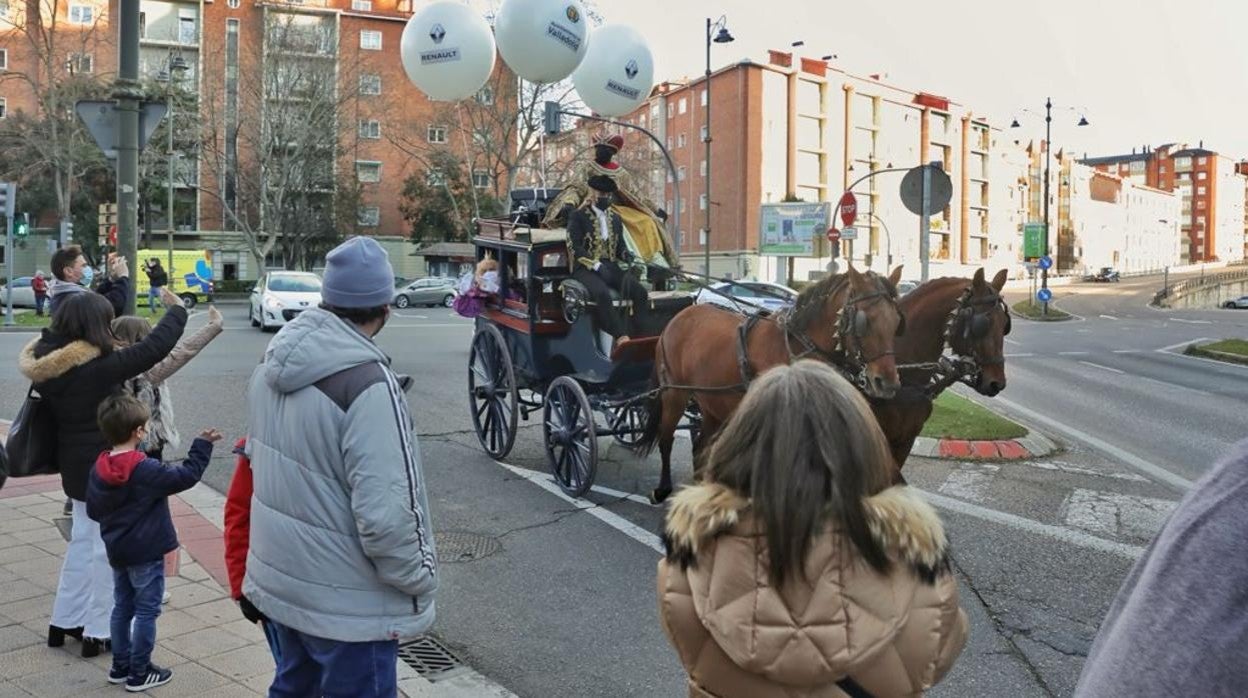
{"x": 967, "y": 314}
{"x": 709, "y": 354}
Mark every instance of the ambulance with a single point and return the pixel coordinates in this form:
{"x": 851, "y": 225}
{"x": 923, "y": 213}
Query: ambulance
{"x": 190, "y": 277}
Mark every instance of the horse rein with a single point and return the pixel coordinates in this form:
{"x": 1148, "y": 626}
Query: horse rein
{"x": 847, "y": 325}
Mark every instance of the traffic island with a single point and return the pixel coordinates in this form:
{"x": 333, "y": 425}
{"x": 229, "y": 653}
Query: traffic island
{"x": 1031, "y": 310}
{"x": 960, "y": 429}
{"x": 1231, "y": 351}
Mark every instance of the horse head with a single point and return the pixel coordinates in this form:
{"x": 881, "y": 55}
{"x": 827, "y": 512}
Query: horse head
{"x": 869, "y": 322}
{"x": 978, "y": 330}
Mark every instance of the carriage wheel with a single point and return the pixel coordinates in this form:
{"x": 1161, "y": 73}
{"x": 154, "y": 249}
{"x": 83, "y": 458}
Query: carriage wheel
{"x": 631, "y": 419}
{"x": 492, "y": 392}
{"x": 571, "y": 436}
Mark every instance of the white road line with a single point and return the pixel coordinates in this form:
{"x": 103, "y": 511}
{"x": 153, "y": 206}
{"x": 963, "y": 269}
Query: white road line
{"x": 1116, "y": 514}
{"x": 1155, "y": 471}
{"x": 1073, "y": 353}
{"x": 1127, "y": 351}
{"x": 606, "y": 516}
{"x": 1109, "y": 317}
{"x": 966, "y": 485}
{"x": 1181, "y": 345}
{"x": 1186, "y": 357}
{"x": 618, "y": 494}
{"x": 1192, "y": 322}
{"x": 1011, "y": 341}
{"x": 1064, "y": 535}
{"x": 1103, "y": 368}
{"x": 1018, "y": 356}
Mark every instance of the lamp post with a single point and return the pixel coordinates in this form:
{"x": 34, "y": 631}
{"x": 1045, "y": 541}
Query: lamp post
{"x": 1048, "y": 158}
{"x": 175, "y": 63}
{"x": 716, "y": 32}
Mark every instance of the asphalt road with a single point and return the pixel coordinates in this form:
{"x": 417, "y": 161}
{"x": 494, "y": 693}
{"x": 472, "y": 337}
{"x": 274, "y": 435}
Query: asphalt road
{"x": 566, "y": 605}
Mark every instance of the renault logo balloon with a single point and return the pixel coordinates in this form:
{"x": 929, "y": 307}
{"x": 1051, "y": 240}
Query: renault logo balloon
{"x": 541, "y": 40}
{"x": 436, "y": 33}
{"x": 617, "y": 73}
{"x": 447, "y": 51}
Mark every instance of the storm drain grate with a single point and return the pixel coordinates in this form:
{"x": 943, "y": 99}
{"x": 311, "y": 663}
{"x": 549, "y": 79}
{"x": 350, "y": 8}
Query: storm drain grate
{"x": 464, "y": 546}
{"x": 428, "y": 657}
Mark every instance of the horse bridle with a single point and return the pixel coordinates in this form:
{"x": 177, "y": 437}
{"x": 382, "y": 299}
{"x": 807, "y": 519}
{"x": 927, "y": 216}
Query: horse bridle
{"x": 967, "y": 325}
{"x": 852, "y": 321}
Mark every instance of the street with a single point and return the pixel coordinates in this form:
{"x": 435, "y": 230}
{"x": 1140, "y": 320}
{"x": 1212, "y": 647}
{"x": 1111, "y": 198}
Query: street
{"x": 566, "y": 606}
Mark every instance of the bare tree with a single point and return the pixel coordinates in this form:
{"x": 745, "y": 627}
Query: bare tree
{"x": 59, "y": 47}
{"x": 275, "y": 173}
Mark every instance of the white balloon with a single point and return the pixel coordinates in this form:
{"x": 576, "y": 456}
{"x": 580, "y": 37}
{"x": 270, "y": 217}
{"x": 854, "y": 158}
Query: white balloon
{"x": 542, "y": 40}
{"x": 447, "y": 51}
{"x": 617, "y": 73}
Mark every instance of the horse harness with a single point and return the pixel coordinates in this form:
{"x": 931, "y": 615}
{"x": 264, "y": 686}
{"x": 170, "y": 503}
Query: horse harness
{"x": 966, "y": 324}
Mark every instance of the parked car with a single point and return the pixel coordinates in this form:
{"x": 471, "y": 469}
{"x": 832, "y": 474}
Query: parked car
{"x": 23, "y": 294}
{"x": 428, "y": 292}
{"x": 904, "y": 287}
{"x": 1240, "y": 303}
{"x": 759, "y": 294}
{"x": 1106, "y": 275}
{"x": 279, "y": 296}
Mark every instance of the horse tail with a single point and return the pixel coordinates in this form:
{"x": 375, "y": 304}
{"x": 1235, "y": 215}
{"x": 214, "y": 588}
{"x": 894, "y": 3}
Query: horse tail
{"x": 653, "y": 406}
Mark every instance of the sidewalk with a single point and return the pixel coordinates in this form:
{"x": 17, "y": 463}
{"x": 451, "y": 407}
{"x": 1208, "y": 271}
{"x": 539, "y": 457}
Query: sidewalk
{"x": 213, "y": 651}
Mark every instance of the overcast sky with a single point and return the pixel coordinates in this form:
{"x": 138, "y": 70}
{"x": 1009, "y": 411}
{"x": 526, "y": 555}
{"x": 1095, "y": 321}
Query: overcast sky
{"x": 1147, "y": 71}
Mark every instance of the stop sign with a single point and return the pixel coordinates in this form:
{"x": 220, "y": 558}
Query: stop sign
{"x": 112, "y": 235}
{"x": 833, "y": 235}
{"x": 849, "y": 208}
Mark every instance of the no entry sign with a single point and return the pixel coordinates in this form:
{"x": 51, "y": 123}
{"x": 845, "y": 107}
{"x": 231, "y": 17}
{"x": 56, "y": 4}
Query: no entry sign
{"x": 849, "y": 208}
{"x": 833, "y": 235}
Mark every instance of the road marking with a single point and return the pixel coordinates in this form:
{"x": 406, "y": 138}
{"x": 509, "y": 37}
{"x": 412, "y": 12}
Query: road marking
{"x": 1127, "y": 351}
{"x": 966, "y": 485}
{"x": 1103, "y": 368}
{"x": 1018, "y": 356}
{"x": 606, "y": 516}
{"x": 1064, "y": 467}
{"x": 618, "y": 494}
{"x": 1192, "y": 322}
{"x": 1011, "y": 341}
{"x": 1058, "y": 533}
{"x": 1115, "y": 514}
{"x": 1109, "y": 317}
{"x": 1170, "y": 349}
{"x": 1155, "y": 471}
{"x": 1073, "y": 353}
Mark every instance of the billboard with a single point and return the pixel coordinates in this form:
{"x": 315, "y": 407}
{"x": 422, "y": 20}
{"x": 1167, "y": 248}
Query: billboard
{"x": 1033, "y": 240}
{"x": 790, "y": 229}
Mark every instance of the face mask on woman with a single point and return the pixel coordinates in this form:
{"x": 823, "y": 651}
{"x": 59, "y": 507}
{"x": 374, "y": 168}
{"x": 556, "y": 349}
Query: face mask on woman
{"x": 88, "y": 274}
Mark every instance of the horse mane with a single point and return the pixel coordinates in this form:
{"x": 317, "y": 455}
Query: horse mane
{"x": 924, "y": 291}
{"x": 809, "y": 304}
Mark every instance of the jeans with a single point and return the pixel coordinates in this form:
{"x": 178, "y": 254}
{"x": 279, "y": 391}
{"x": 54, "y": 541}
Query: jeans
{"x": 270, "y": 636}
{"x": 153, "y": 297}
{"x": 40, "y": 300}
{"x": 138, "y": 590}
{"x": 84, "y": 594}
{"x": 314, "y": 666}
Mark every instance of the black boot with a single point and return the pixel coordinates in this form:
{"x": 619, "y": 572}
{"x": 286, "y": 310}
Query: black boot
{"x": 93, "y": 646}
{"x": 56, "y": 636}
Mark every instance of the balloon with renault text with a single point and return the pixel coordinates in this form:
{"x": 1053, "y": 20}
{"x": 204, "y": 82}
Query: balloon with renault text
{"x": 447, "y": 51}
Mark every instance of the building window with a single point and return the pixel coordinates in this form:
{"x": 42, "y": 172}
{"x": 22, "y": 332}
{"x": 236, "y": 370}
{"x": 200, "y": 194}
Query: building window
{"x": 80, "y": 63}
{"x": 435, "y": 178}
{"x": 680, "y": 173}
{"x": 187, "y": 33}
{"x": 4, "y": 108}
{"x": 436, "y": 134}
{"x": 669, "y": 142}
{"x": 4, "y": 59}
{"x": 1200, "y": 189}
{"x": 1202, "y": 175}
{"x": 702, "y": 169}
{"x": 680, "y": 141}
{"x": 654, "y": 111}
{"x": 684, "y": 105}
{"x": 233, "y": 4}
{"x": 362, "y": 5}
{"x": 1161, "y": 170}
{"x": 368, "y": 216}
{"x": 370, "y": 84}
{"x": 370, "y": 129}
{"x": 1200, "y": 203}
{"x": 370, "y": 40}
{"x": 702, "y": 202}
{"x": 486, "y": 95}
{"x": 706, "y": 135}
{"x": 481, "y": 179}
{"x": 368, "y": 171}
{"x": 682, "y": 205}
{"x": 1202, "y": 160}
{"x": 702, "y": 236}
{"x": 81, "y": 14}
{"x": 704, "y": 98}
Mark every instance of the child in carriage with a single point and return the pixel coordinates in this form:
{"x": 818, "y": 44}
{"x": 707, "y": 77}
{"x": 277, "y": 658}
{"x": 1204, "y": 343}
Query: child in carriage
{"x": 476, "y": 287}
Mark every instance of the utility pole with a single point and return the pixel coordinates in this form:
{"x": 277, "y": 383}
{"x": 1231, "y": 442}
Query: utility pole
{"x": 925, "y": 229}
{"x": 1048, "y": 158}
{"x": 8, "y": 204}
{"x": 128, "y": 94}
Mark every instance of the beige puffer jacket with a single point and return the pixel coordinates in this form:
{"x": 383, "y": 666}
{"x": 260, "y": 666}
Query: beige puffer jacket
{"x": 894, "y": 635}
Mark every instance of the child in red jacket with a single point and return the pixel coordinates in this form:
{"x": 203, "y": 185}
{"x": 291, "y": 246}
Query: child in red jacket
{"x": 238, "y": 541}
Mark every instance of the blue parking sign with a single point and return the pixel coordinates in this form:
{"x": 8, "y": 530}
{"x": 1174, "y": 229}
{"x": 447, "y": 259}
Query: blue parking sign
{"x": 1046, "y": 262}
{"x": 1044, "y": 295}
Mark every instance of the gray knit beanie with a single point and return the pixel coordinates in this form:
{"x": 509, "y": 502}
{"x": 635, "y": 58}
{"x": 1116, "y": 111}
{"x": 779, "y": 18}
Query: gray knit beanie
{"x": 358, "y": 275}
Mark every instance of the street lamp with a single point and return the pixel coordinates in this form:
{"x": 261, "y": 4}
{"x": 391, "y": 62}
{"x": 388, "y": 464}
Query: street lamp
{"x": 716, "y": 32}
{"x": 1048, "y": 157}
{"x": 174, "y": 64}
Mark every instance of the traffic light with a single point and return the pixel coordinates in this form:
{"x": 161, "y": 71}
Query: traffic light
{"x": 8, "y": 196}
{"x": 21, "y": 226}
{"x": 551, "y": 118}
{"x": 67, "y": 232}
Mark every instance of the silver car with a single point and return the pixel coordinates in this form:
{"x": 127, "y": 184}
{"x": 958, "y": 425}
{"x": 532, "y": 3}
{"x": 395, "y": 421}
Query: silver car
{"x": 23, "y": 294}
{"x": 428, "y": 292}
{"x": 1240, "y": 303}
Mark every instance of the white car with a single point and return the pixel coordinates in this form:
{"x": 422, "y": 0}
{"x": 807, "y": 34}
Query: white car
{"x": 281, "y": 295}
{"x": 23, "y": 294}
{"x": 758, "y": 294}
{"x": 1241, "y": 303}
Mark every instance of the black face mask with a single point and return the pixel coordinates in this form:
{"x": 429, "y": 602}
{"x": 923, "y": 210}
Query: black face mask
{"x": 603, "y": 203}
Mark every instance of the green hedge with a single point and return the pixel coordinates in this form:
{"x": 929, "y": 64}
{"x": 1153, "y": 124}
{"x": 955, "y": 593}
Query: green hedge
{"x": 234, "y": 286}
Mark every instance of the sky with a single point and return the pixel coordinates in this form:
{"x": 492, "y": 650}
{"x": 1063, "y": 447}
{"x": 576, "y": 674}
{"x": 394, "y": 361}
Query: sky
{"x": 1142, "y": 71}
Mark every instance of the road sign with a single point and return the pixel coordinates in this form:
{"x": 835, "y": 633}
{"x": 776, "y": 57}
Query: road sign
{"x": 912, "y": 189}
{"x": 849, "y": 233}
{"x": 1044, "y": 295}
{"x": 1033, "y": 240}
{"x": 833, "y": 235}
{"x": 1045, "y": 262}
{"x": 791, "y": 229}
{"x": 101, "y": 120}
{"x": 849, "y": 208}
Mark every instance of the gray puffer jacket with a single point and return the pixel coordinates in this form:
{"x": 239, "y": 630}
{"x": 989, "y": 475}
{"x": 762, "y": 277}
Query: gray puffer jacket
{"x": 341, "y": 545}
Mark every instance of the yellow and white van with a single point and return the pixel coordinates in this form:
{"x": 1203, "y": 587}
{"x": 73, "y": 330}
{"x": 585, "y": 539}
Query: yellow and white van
{"x": 190, "y": 277}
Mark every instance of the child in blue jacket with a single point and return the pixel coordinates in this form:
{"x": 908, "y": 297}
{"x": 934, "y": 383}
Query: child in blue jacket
{"x": 128, "y": 494}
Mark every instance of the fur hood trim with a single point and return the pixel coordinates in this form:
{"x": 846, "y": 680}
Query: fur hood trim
{"x": 57, "y": 362}
{"x": 904, "y": 525}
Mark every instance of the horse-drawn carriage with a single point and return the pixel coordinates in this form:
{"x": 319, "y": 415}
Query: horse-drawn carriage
{"x": 537, "y": 349}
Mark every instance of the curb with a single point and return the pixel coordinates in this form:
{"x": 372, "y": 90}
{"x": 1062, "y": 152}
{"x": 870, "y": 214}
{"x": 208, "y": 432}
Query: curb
{"x": 1033, "y": 445}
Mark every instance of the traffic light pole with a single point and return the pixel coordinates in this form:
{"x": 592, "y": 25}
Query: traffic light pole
{"x": 10, "y": 203}
{"x": 128, "y": 94}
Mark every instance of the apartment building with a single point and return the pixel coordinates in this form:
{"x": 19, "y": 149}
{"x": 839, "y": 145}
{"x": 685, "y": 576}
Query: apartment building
{"x": 1118, "y": 222}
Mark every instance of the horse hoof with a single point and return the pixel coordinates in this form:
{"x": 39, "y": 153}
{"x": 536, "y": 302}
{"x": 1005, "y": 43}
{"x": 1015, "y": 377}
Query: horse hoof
{"x": 659, "y": 495}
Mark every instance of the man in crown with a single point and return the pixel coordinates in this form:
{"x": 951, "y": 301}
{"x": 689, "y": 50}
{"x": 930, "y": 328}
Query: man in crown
{"x": 644, "y": 234}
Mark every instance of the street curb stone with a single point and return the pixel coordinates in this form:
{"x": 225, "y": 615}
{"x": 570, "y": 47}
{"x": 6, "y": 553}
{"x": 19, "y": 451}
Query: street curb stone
{"x": 1033, "y": 445}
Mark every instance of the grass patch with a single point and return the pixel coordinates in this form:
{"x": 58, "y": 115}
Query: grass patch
{"x": 955, "y": 417}
{"x": 1234, "y": 351}
{"x": 1032, "y": 310}
{"x": 29, "y": 319}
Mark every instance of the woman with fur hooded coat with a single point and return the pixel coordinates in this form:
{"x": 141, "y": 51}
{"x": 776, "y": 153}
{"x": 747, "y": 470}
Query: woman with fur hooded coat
{"x": 793, "y": 569}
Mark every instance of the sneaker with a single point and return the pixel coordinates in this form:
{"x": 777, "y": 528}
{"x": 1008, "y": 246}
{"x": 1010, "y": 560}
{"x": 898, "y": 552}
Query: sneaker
{"x": 155, "y": 677}
{"x": 117, "y": 676}
{"x": 165, "y": 599}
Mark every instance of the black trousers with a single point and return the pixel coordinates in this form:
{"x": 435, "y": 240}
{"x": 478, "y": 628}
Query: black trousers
{"x": 599, "y": 283}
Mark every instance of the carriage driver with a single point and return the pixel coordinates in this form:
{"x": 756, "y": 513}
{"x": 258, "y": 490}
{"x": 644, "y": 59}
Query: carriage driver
{"x": 596, "y": 233}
